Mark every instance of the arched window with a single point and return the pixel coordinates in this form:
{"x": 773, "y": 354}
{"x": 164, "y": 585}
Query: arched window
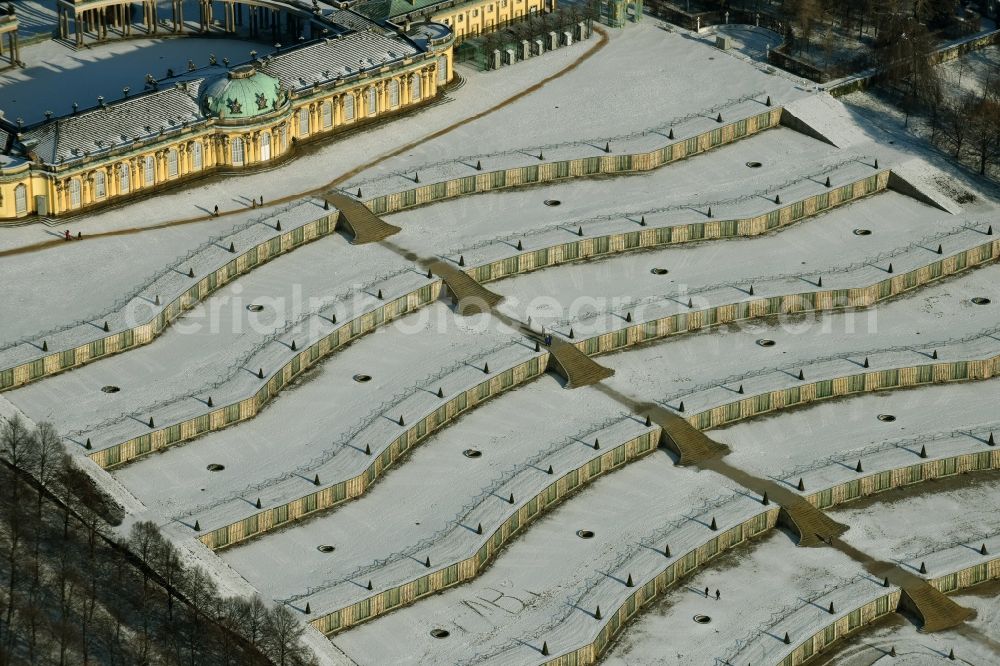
{"x": 442, "y": 70}
{"x": 124, "y": 178}
{"x": 327, "y": 115}
{"x": 196, "y": 157}
{"x": 149, "y": 170}
{"x": 100, "y": 185}
{"x": 74, "y": 193}
{"x": 393, "y": 94}
{"x": 303, "y": 122}
{"x": 237, "y": 150}
{"x": 172, "y": 163}
{"x": 372, "y": 101}
{"x": 415, "y": 88}
{"x": 265, "y": 146}
{"x": 348, "y": 106}
{"x": 21, "y": 199}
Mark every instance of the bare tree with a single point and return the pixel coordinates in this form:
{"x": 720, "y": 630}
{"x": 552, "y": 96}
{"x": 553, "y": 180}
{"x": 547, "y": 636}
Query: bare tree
{"x": 283, "y": 634}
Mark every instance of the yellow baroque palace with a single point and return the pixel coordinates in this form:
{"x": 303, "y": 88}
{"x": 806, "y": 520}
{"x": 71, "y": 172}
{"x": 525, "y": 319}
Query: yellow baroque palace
{"x": 219, "y": 118}
{"x": 466, "y": 18}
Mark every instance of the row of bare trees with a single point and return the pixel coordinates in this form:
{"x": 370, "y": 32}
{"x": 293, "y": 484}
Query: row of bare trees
{"x": 965, "y": 122}
{"x": 72, "y": 593}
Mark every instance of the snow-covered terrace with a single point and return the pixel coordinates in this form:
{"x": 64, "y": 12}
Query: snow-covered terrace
{"x": 916, "y": 648}
{"x": 944, "y": 529}
{"x": 718, "y": 176}
{"x": 504, "y": 616}
{"x": 786, "y": 156}
{"x": 767, "y": 589}
{"x": 276, "y": 455}
{"x": 564, "y": 286}
{"x": 218, "y": 347}
{"x": 823, "y": 444}
{"x": 634, "y": 101}
{"x": 827, "y": 349}
{"x": 706, "y": 367}
{"x": 447, "y": 495}
{"x": 593, "y": 297}
{"x": 78, "y": 321}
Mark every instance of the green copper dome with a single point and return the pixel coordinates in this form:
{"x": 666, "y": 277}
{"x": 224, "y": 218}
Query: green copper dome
{"x": 242, "y": 92}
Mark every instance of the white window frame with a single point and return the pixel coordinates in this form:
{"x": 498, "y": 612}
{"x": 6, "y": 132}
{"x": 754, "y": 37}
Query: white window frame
{"x": 173, "y": 163}
{"x": 349, "y": 106}
{"x": 442, "y": 70}
{"x": 265, "y": 146}
{"x": 75, "y": 198}
{"x": 304, "y": 121}
{"x": 100, "y": 185}
{"x": 393, "y": 93}
{"x": 150, "y": 170}
{"x": 237, "y": 152}
{"x": 371, "y": 101}
{"x": 124, "y": 178}
{"x": 415, "y": 84}
{"x": 21, "y": 199}
{"x": 196, "y": 156}
{"x": 327, "y": 113}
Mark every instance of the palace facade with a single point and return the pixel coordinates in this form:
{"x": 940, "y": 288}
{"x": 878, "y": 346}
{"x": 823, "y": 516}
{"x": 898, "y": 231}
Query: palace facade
{"x": 220, "y": 117}
{"x": 467, "y": 18}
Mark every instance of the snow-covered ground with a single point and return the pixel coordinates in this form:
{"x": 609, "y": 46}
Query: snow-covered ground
{"x": 767, "y": 588}
{"x": 89, "y": 280}
{"x": 943, "y": 528}
{"x": 505, "y": 615}
{"x": 973, "y": 643}
{"x": 714, "y": 273}
{"x": 217, "y": 347}
{"x": 710, "y": 363}
{"x": 970, "y": 72}
{"x": 447, "y": 494}
{"x": 544, "y": 586}
{"x": 823, "y": 443}
{"x": 299, "y": 435}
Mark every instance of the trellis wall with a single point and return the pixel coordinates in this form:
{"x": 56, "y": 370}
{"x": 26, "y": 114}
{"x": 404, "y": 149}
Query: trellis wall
{"x": 878, "y": 482}
{"x": 144, "y": 334}
{"x": 467, "y": 569}
{"x": 333, "y": 495}
{"x": 249, "y": 407}
{"x": 587, "y": 248}
{"x": 663, "y": 582}
{"x": 818, "y": 300}
{"x": 848, "y": 624}
{"x": 547, "y": 172}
